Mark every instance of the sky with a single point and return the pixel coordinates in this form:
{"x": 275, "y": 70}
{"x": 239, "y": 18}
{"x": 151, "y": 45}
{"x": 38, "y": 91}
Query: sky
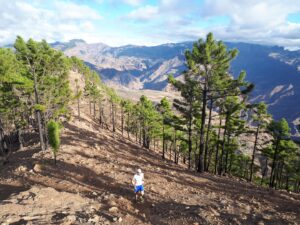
{"x": 152, "y": 22}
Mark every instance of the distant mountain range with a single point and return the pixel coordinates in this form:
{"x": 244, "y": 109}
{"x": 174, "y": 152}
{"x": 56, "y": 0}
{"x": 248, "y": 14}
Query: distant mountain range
{"x": 274, "y": 70}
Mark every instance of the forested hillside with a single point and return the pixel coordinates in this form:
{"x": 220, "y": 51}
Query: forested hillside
{"x": 53, "y": 106}
{"x": 274, "y": 70}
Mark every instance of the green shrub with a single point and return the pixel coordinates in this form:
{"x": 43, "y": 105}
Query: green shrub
{"x": 54, "y": 136}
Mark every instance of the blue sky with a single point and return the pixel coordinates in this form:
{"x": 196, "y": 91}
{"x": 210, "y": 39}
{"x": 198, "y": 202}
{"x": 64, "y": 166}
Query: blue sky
{"x": 152, "y": 22}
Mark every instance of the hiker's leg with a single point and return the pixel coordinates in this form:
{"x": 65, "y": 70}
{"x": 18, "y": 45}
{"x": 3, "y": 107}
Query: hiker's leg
{"x": 142, "y": 190}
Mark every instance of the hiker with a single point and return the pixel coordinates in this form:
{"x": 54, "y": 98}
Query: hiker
{"x": 138, "y": 182}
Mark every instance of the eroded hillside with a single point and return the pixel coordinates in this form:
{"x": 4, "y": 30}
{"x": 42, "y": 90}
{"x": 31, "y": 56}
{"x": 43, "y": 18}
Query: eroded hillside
{"x": 91, "y": 185}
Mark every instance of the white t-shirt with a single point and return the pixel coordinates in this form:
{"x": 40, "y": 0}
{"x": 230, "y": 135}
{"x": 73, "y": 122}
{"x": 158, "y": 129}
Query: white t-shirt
{"x": 139, "y": 179}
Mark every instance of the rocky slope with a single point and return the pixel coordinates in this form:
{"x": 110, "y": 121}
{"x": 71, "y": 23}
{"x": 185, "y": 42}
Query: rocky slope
{"x": 91, "y": 185}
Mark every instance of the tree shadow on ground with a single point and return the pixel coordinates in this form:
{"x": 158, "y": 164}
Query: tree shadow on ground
{"x": 76, "y": 178}
{"x": 133, "y": 153}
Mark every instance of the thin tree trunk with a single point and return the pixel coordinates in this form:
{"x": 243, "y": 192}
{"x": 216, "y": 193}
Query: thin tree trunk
{"x": 223, "y": 146}
{"x": 170, "y": 151}
{"x": 163, "y": 150}
{"x": 280, "y": 175}
{"x": 78, "y": 106}
{"x": 201, "y": 144}
{"x": 287, "y": 183}
{"x": 20, "y": 138}
{"x": 210, "y": 153}
{"x": 253, "y": 153}
{"x": 207, "y": 136}
{"x": 190, "y": 141}
{"x": 227, "y": 153}
{"x": 38, "y": 113}
{"x": 100, "y": 114}
{"x": 264, "y": 172}
{"x": 122, "y": 121}
{"x": 174, "y": 147}
{"x": 113, "y": 117}
{"x": 94, "y": 104}
{"x": 128, "y": 115}
{"x": 218, "y": 144}
{"x": 2, "y": 149}
{"x": 45, "y": 131}
{"x": 272, "y": 177}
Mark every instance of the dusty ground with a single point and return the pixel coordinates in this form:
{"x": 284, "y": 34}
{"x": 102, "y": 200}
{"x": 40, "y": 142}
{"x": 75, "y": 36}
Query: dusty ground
{"x": 91, "y": 185}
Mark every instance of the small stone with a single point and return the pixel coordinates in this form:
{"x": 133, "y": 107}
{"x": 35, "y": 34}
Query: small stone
{"x": 115, "y": 219}
{"x": 95, "y": 207}
{"x": 195, "y": 223}
{"x": 94, "y": 193}
{"x": 71, "y": 218}
{"x": 120, "y": 219}
{"x": 22, "y": 169}
{"x": 29, "y": 218}
{"x": 187, "y": 207}
{"x": 112, "y": 203}
{"x": 12, "y": 220}
{"x": 267, "y": 217}
{"x": 113, "y": 209}
{"x": 136, "y": 211}
{"x": 37, "y": 168}
{"x": 247, "y": 209}
{"x": 15, "y": 201}
{"x": 216, "y": 213}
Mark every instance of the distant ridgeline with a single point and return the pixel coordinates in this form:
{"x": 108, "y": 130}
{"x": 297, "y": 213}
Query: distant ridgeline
{"x": 212, "y": 127}
{"x": 274, "y": 71}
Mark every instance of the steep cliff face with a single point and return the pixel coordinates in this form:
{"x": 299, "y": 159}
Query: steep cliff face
{"x": 274, "y": 71}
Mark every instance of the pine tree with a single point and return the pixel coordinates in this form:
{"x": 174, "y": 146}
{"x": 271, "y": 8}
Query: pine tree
{"x": 14, "y": 87}
{"x": 280, "y": 131}
{"x": 48, "y": 70}
{"x": 208, "y": 61}
{"x": 260, "y": 119}
{"x": 54, "y": 136}
{"x": 149, "y": 120}
{"x": 188, "y": 106}
{"x": 164, "y": 108}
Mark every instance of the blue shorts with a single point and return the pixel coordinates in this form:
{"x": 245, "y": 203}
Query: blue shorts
{"x": 138, "y": 188}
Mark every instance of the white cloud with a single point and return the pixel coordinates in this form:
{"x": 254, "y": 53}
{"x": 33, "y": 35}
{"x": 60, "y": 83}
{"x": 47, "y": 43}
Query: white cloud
{"x": 165, "y": 21}
{"x": 133, "y": 2}
{"x": 72, "y": 11}
{"x": 256, "y": 21}
{"x": 144, "y": 13}
{"x": 62, "y": 21}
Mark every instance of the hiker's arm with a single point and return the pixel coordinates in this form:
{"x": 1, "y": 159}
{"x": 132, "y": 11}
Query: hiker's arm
{"x": 133, "y": 181}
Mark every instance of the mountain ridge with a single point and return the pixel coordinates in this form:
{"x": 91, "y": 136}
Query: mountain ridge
{"x": 274, "y": 70}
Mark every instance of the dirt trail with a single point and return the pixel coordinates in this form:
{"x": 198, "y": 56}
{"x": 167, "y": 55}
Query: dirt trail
{"x": 91, "y": 185}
